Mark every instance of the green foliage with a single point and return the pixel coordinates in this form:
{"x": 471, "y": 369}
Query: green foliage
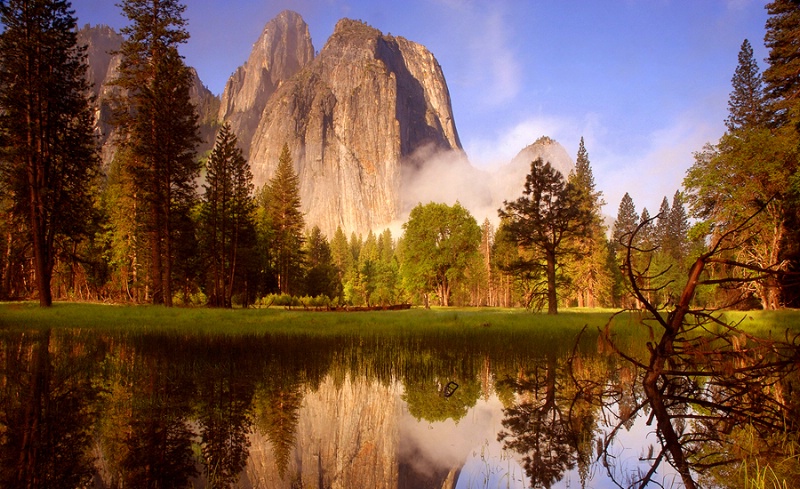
{"x": 781, "y": 78}
{"x": 548, "y": 215}
{"x": 438, "y": 243}
{"x": 746, "y": 106}
{"x": 744, "y": 179}
{"x": 587, "y": 269}
{"x": 321, "y": 276}
{"x": 48, "y": 157}
{"x": 226, "y": 218}
{"x": 284, "y": 224}
{"x": 160, "y": 130}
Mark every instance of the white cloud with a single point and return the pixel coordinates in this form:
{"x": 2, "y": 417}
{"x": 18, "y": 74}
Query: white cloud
{"x": 658, "y": 170}
{"x": 484, "y": 37}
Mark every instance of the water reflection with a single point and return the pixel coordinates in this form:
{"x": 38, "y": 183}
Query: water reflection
{"x": 79, "y": 409}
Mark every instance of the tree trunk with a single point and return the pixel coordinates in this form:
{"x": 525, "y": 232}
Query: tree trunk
{"x": 552, "y": 297}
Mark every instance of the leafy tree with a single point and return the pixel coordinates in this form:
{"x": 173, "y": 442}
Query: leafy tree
{"x": 387, "y": 290}
{"x": 286, "y": 222}
{"x": 549, "y": 214}
{"x": 744, "y": 178}
{"x": 159, "y": 128}
{"x": 226, "y": 214}
{"x": 438, "y": 243}
{"x": 48, "y": 154}
{"x": 747, "y": 175}
{"x": 746, "y": 104}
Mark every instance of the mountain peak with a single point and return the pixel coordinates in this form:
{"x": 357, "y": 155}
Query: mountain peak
{"x": 283, "y": 48}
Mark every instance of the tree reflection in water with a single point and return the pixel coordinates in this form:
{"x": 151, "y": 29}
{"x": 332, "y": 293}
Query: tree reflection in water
{"x": 168, "y": 410}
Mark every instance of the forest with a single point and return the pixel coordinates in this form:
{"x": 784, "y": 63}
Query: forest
{"x": 166, "y": 225}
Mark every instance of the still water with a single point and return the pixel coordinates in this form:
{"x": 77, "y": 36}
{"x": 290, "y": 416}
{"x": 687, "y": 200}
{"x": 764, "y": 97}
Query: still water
{"x": 477, "y": 410}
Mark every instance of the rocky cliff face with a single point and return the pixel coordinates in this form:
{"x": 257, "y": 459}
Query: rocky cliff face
{"x": 352, "y": 118}
{"x": 283, "y": 48}
{"x": 102, "y": 43}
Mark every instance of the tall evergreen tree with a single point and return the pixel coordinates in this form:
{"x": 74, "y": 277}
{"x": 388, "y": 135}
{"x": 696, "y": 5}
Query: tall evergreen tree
{"x": 782, "y": 76}
{"x": 588, "y": 270}
{"x": 322, "y": 277}
{"x": 226, "y": 214}
{"x": 159, "y": 128}
{"x": 626, "y": 222}
{"x": 549, "y": 214}
{"x": 746, "y": 103}
{"x": 49, "y": 155}
{"x": 662, "y": 223}
{"x": 677, "y": 238}
{"x": 286, "y": 222}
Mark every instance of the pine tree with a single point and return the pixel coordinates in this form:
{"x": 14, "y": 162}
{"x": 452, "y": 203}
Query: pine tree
{"x": 322, "y": 278}
{"x": 159, "y": 127}
{"x": 588, "y": 271}
{"x": 49, "y": 154}
{"x": 677, "y": 242}
{"x": 746, "y": 107}
{"x": 286, "y": 222}
{"x": 549, "y": 214}
{"x": 626, "y": 223}
{"x": 662, "y": 223}
{"x": 782, "y": 76}
{"x": 342, "y": 258}
{"x": 226, "y": 214}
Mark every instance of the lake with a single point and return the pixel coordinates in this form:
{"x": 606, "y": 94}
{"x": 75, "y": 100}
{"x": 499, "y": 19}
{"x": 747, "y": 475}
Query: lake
{"x": 485, "y": 409}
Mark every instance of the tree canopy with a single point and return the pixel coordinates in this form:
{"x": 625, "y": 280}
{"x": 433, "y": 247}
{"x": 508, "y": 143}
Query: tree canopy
{"x": 549, "y": 212}
{"x": 439, "y": 241}
{"x": 48, "y": 160}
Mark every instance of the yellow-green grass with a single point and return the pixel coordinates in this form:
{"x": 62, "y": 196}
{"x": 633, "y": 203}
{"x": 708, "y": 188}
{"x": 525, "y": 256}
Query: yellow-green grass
{"x": 27, "y": 315}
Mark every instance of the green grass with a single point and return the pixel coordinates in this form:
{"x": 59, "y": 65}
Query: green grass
{"x": 276, "y": 320}
{"x": 28, "y": 315}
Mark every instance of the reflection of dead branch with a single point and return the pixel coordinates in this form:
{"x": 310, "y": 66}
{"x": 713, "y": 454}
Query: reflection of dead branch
{"x": 704, "y": 376}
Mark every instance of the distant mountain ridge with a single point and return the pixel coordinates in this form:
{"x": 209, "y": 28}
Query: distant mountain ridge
{"x": 368, "y": 121}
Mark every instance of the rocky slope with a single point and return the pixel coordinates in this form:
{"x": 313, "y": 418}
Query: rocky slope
{"x": 283, "y": 48}
{"x": 368, "y": 121}
{"x": 509, "y": 180}
{"x": 102, "y": 42}
{"x": 352, "y": 118}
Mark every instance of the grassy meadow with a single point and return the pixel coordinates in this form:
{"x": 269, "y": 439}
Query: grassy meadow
{"x": 27, "y": 315}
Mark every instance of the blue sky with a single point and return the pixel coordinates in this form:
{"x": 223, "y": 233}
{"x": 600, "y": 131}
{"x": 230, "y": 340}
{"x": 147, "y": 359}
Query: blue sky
{"x": 645, "y": 82}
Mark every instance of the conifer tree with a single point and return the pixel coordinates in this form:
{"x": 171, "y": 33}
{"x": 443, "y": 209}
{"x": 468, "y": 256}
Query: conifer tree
{"x": 48, "y": 149}
{"x": 782, "y": 76}
{"x": 549, "y": 214}
{"x": 226, "y": 214}
{"x": 322, "y": 278}
{"x": 662, "y": 223}
{"x": 746, "y": 103}
{"x": 286, "y": 223}
{"x": 590, "y": 276}
{"x": 677, "y": 239}
{"x": 159, "y": 128}
{"x": 626, "y": 222}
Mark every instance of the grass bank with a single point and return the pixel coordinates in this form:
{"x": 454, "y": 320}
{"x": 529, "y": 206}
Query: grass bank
{"x": 255, "y": 321}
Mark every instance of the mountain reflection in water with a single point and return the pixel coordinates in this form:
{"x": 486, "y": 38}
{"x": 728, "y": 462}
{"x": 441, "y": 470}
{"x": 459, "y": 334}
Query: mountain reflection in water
{"x": 79, "y": 409}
